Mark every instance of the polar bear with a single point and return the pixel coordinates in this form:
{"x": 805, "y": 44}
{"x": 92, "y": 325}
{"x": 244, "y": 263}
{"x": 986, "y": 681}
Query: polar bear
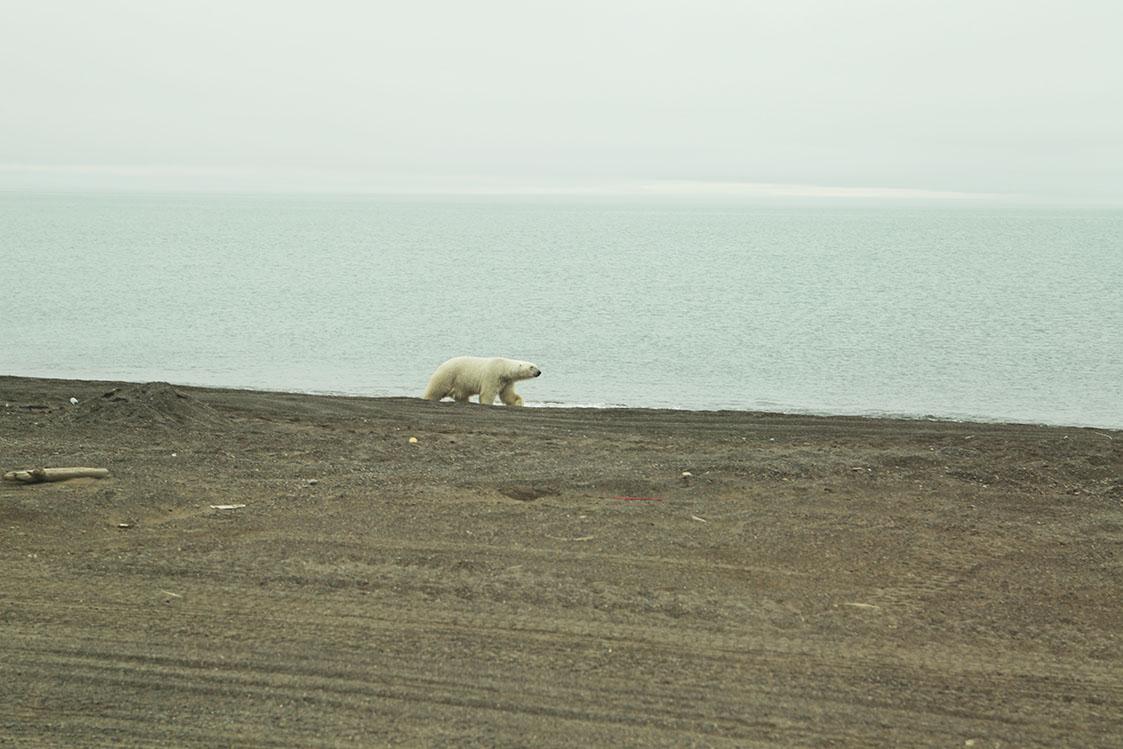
{"x": 465, "y": 376}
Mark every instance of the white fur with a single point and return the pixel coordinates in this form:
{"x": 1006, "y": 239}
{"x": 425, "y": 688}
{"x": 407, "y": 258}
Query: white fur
{"x": 465, "y": 376}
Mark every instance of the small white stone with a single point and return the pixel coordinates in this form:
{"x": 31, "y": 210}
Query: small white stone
{"x": 74, "y": 401}
{"x": 413, "y": 440}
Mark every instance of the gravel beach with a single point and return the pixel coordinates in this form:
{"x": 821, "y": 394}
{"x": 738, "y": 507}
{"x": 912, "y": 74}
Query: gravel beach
{"x": 272, "y": 569}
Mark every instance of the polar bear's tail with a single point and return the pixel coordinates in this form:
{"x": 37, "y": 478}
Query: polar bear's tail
{"x": 439, "y": 385}
{"x": 436, "y": 389}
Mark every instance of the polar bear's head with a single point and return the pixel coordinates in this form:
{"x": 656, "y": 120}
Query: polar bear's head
{"x": 524, "y": 370}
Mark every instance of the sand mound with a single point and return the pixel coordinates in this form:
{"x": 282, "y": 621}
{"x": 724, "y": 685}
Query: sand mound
{"x": 148, "y": 403}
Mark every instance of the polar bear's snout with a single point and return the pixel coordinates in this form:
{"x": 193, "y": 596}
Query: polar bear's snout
{"x": 536, "y": 371}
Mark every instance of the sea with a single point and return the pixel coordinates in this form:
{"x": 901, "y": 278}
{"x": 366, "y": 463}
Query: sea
{"x": 961, "y": 311}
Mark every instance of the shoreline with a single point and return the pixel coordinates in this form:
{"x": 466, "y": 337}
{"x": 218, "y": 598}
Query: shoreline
{"x": 554, "y": 405}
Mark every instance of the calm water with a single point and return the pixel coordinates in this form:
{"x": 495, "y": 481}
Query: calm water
{"x": 1011, "y": 314}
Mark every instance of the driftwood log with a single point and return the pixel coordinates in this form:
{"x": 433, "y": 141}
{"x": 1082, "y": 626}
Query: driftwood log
{"x": 39, "y": 475}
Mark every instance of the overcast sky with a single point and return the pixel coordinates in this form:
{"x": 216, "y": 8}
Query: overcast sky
{"x": 850, "y": 97}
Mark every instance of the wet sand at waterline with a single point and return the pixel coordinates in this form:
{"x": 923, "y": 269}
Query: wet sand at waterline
{"x": 291, "y": 570}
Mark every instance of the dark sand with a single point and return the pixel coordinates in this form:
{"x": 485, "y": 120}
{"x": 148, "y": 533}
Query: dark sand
{"x": 818, "y": 582}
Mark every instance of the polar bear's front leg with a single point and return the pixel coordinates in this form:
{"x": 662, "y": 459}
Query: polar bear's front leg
{"x": 487, "y": 395}
{"x": 509, "y": 396}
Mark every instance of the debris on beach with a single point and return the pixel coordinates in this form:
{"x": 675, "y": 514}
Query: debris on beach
{"x": 528, "y": 492}
{"x": 40, "y": 475}
{"x": 227, "y": 507}
{"x": 413, "y": 440}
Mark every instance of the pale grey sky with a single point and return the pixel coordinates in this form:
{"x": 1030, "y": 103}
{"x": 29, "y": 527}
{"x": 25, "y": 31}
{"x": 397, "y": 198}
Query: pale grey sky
{"x": 854, "y": 97}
